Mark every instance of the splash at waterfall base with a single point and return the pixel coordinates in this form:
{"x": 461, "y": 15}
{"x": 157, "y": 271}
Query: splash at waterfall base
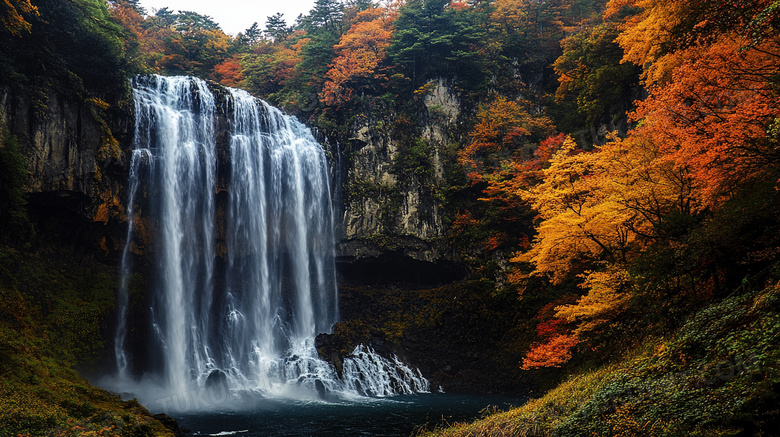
{"x": 368, "y": 375}
{"x": 230, "y": 221}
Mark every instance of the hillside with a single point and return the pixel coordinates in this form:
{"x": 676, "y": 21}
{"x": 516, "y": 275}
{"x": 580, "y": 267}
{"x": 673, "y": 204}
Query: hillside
{"x": 715, "y": 376}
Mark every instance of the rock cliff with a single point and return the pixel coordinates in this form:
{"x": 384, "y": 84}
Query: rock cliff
{"x": 390, "y": 223}
{"x": 76, "y": 164}
{"x": 390, "y": 213}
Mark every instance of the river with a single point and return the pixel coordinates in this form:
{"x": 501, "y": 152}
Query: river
{"x": 388, "y": 417}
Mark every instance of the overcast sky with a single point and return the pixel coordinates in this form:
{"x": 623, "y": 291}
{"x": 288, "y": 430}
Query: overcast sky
{"x": 235, "y": 16}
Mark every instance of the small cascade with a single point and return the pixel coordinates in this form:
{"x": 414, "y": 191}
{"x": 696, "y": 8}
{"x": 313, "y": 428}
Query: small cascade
{"x": 370, "y": 374}
{"x": 241, "y": 227}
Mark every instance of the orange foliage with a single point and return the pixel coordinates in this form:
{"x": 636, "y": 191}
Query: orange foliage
{"x": 713, "y": 117}
{"x": 463, "y": 222}
{"x": 709, "y": 125}
{"x": 554, "y": 352}
{"x": 359, "y": 54}
{"x": 150, "y": 38}
{"x": 459, "y": 4}
{"x": 300, "y": 43}
{"x": 126, "y": 16}
{"x": 550, "y": 327}
{"x": 228, "y": 72}
{"x": 495, "y": 241}
{"x": 13, "y": 15}
{"x": 615, "y": 6}
{"x": 500, "y": 142}
{"x": 548, "y": 147}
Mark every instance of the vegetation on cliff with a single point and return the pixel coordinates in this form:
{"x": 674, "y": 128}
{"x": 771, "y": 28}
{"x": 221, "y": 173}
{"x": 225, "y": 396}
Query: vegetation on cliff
{"x": 54, "y": 296}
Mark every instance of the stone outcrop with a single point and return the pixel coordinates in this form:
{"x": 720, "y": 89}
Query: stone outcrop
{"x": 391, "y": 216}
{"x": 77, "y": 169}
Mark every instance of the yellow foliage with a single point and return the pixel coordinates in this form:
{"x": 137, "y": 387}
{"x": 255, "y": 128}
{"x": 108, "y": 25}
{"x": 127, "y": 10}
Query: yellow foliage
{"x": 217, "y": 41}
{"x": 13, "y": 15}
{"x": 602, "y": 205}
{"x": 512, "y": 15}
{"x": 644, "y": 36}
{"x": 607, "y": 296}
{"x": 99, "y": 103}
{"x": 580, "y": 220}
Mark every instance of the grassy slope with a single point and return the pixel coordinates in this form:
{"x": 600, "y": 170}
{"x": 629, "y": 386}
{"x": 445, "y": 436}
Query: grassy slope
{"x": 50, "y": 310}
{"x": 718, "y": 375}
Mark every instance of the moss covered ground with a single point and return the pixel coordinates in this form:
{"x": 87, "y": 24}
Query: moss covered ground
{"x": 717, "y": 375}
{"x": 51, "y": 309}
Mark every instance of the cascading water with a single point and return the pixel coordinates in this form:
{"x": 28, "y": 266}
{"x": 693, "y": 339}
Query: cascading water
{"x": 245, "y": 274}
{"x": 372, "y": 375}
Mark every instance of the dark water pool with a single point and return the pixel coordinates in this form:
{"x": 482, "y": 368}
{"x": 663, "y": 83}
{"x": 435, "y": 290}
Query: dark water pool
{"x": 397, "y": 416}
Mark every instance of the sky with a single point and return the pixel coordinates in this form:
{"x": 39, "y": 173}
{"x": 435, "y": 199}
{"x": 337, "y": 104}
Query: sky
{"x": 235, "y": 16}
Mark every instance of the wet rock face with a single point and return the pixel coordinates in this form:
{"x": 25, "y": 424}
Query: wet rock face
{"x": 61, "y": 140}
{"x": 216, "y": 379}
{"x": 76, "y": 162}
{"x": 387, "y": 211}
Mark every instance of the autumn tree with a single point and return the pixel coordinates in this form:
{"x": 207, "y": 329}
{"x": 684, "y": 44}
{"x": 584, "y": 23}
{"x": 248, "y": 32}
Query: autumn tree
{"x": 553, "y": 352}
{"x": 504, "y": 132}
{"x": 13, "y": 16}
{"x": 604, "y": 205}
{"x": 359, "y": 54}
{"x": 130, "y": 16}
{"x": 712, "y": 84}
{"x": 228, "y": 72}
{"x": 184, "y": 42}
{"x": 714, "y": 115}
{"x": 500, "y": 153}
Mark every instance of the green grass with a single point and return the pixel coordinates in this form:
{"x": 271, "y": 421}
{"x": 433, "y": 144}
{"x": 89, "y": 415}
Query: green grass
{"x": 718, "y": 375}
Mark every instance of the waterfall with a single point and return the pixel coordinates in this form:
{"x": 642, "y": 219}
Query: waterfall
{"x": 242, "y": 233}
